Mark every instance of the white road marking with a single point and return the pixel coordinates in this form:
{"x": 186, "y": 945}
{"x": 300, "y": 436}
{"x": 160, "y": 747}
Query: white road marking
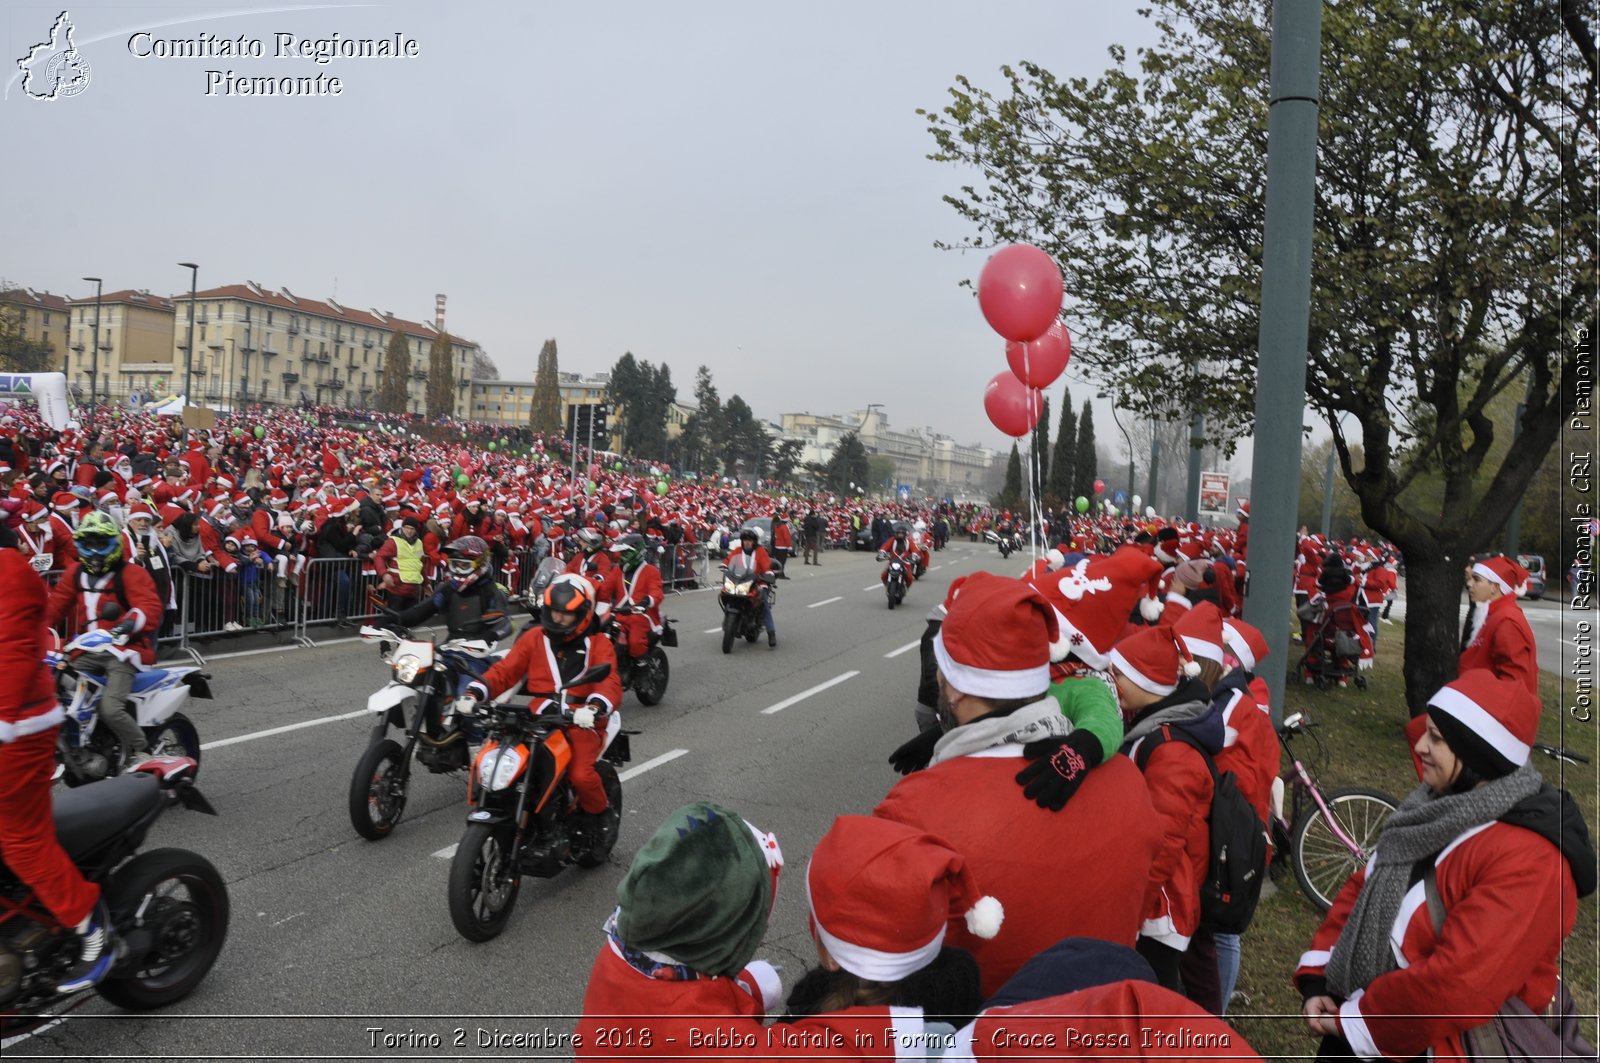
{"x": 825, "y": 601}
{"x": 804, "y": 694}
{"x": 873, "y": 587}
{"x": 632, "y": 773}
{"x": 21, "y": 1037}
{"x": 712, "y": 631}
{"x": 934, "y": 568}
{"x": 908, "y": 647}
{"x": 286, "y": 728}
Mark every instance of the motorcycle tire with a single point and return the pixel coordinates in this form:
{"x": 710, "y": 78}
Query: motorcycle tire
{"x": 650, "y": 677}
{"x": 184, "y": 925}
{"x": 610, "y": 826}
{"x": 481, "y": 894}
{"x": 373, "y": 810}
{"x": 175, "y": 738}
{"x": 730, "y": 625}
{"x": 890, "y": 596}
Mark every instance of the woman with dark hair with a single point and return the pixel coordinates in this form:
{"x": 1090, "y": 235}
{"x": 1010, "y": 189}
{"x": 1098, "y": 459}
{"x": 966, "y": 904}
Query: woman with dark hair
{"x": 1465, "y": 905}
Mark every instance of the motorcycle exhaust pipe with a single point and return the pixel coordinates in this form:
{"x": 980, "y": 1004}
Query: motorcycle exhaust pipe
{"x": 439, "y": 743}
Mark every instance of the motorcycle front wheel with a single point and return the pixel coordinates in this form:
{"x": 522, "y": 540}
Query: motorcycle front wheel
{"x": 377, "y": 794}
{"x": 182, "y": 909}
{"x": 175, "y": 738}
{"x": 484, "y": 881}
{"x": 650, "y": 676}
{"x": 730, "y": 626}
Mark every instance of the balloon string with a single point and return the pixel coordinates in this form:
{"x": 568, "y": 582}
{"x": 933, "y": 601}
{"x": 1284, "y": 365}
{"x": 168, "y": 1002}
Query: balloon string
{"x": 1033, "y": 460}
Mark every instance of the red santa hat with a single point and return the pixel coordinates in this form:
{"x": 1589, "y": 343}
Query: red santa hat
{"x": 278, "y": 499}
{"x": 1154, "y": 660}
{"x": 995, "y": 641}
{"x": 1246, "y": 642}
{"x": 1243, "y": 509}
{"x": 1510, "y": 577}
{"x": 141, "y": 509}
{"x": 1200, "y": 630}
{"x": 881, "y": 894}
{"x": 1093, "y": 600}
{"x": 65, "y": 500}
{"x": 1489, "y": 722}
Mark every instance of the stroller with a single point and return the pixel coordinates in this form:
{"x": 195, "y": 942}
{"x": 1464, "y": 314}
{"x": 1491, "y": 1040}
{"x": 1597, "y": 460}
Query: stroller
{"x": 1334, "y": 646}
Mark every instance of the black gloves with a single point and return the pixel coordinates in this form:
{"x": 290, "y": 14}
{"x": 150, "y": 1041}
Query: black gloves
{"x": 915, "y": 754}
{"x": 1057, "y": 767}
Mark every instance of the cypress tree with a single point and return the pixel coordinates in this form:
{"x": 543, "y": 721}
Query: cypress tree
{"x": 1011, "y": 493}
{"x": 545, "y": 417}
{"x": 1039, "y": 468}
{"x": 393, "y": 396}
{"x": 441, "y": 393}
{"x": 1085, "y": 470}
{"x": 1059, "y": 490}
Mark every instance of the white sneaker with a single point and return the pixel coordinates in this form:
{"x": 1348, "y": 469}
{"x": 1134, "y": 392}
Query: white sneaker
{"x": 233, "y": 625}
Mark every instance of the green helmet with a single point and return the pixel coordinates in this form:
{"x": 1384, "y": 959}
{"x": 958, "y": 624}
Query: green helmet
{"x": 99, "y": 543}
{"x": 630, "y": 551}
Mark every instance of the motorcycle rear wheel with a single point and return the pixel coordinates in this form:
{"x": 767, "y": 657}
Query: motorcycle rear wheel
{"x": 650, "y": 676}
{"x": 484, "y": 881}
{"x": 610, "y": 825}
{"x": 175, "y": 738}
{"x": 184, "y": 926}
{"x": 730, "y": 625}
{"x": 375, "y": 804}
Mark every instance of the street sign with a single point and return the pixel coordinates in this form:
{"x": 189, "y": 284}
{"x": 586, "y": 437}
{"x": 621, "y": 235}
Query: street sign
{"x": 1214, "y": 493}
{"x": 1120, "y": 498}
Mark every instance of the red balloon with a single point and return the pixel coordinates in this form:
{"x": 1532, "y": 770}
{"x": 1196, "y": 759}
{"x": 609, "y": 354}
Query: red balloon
{"x": 1039, "y": 361}
{"x": 1011, "y": 405}
{"x": 1020, "y": 291}
{"x": 1099, "y": 487}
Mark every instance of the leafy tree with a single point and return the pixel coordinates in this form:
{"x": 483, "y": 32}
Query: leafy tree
{"x": 1039, "y": 466}
{"x": 1085, "y": 467}
{"x": 546, "y": 415}
{"x": 394, "y": 392}
{"x": 881, "y": 472}
{"x": 1059, "y": 485}
{"x": 1010, "y": 496}
{"x": 483, "y": 367}
{"x": 744, "y": 442}
{"x": 441, "y": 396}
{"x": 785, "y": 458}
{"x": 704, "y": 427}
{"x": 848, "y": 465}
{"x": 1454, "y": 253}
{"x": 643, "y": 393}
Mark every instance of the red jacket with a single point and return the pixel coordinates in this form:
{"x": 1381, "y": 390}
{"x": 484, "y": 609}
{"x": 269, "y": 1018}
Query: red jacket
{"x": 77, "y": 598}
{"x": 49, "y": 536}
{"x": 532, "y": 660}
{"x": 1249, "y": 749}
{"x": 1509, "y": 901}
{"x": 1057, "y": 874}
{"x": 600, "y": 569}
{"x": 28, "y": 695}
{"x": 782, "y": 537}
{"x": 263, "y": 525}
{"x": 1504, "y": 644}
{"x": 644, "y": 590}
{"x": 1180, "y": 790}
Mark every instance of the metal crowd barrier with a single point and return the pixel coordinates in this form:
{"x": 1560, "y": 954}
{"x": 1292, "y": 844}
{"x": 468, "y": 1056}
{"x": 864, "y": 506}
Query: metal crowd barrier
{"x": 332, "y": 591}
{"x": 682, "y": 566}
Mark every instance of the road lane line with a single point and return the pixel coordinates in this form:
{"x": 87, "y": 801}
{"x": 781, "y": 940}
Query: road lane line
{"x": 825, "y": 601}
{"x": 935, "y": 568}
{"x": 908, "y": 647}
{"x": 873, "y": 587}
{"x": 634, "y": 772}
{"x": 285, "y": 729}
{"x": 804, "y": 694}
{"x": 712, "y": 630}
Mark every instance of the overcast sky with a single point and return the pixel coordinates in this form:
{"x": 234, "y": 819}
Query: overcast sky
{"x": 740, "y": 185}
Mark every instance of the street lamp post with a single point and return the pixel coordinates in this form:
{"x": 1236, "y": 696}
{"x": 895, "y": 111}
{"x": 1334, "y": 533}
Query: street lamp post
{"x": 1127, "y": 442}
{"x": 188, "y": 349}
{"x": 94, "y": 360}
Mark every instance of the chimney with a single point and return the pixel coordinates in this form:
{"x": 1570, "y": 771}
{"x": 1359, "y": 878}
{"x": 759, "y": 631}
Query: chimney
{"x": 438, "y": 311}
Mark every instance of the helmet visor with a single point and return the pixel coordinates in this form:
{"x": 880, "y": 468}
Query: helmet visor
{"x": 463, "y": 566}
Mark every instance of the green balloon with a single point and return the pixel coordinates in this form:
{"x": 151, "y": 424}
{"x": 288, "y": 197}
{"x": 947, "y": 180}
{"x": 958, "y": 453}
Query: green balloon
{"x": 491, "y": 444}
{"x": 589, "y": 488}
{"x": 1082, "y": 504}
{"x": 260, "y": 431}
{"x": 455, "y": 470}
{"x": 238, "y": 433}
{"x": 662, "y": 487}
{"x": 617, "y": 466}
{"x": 462, "y": 479}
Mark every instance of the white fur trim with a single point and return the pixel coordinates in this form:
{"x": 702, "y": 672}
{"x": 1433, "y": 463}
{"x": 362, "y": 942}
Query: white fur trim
{"x": 1481, "y": 569}
{"x": 1151, "y": 609}
{"x": 872, "y": 964}
{"x": 988, "y": 682}
{"x": 909, "y": 1033}
{"x": 763, "y": 979}
{"x": 1164, "y": 931}
{"x": 1211, "y": 651}
{"x": 1315, "y": 958}
{"x": 32, "y": 725}
{"x": 1138, "y": 678}
{"x": 985, "y": 917}
{"x": 1475, "y": 718}
{"x": 962, "y": 1052}
{"x": 1354, "y": 1028}
{"x": 1084, "y": 649}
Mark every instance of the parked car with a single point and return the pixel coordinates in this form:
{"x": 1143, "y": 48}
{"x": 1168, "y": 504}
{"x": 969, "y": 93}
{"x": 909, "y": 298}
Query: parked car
{"x": 1535, "y": 565}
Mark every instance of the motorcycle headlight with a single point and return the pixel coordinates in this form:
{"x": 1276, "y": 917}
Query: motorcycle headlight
{"x": 406, "y": 667}
{"x": 729, "y": 587}
{"x": 502, "y": 768}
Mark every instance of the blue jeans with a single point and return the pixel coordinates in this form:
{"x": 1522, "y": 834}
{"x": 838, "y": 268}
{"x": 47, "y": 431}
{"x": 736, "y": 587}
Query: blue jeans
{"x": 1372, "y": 622}
{"x": 1227, "y": 965}
{"x": 766, "y": 610}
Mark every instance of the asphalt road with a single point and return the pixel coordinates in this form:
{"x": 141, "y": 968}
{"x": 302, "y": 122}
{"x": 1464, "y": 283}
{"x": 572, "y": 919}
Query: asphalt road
{"x": 1561, "y": 647}
{"x": 332, "y": 935}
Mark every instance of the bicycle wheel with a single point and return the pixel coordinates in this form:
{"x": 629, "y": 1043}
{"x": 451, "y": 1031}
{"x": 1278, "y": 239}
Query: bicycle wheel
{"x": 1322, "y": 862}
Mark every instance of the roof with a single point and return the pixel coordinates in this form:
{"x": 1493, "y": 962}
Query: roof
{"x": 131, "y": 296}
{"x": 30, "y": 297}
{"x": 283, "y": 299}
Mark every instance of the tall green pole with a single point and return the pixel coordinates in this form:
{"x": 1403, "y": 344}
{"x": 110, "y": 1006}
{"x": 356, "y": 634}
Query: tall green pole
{"x": 1285, "y": 324}
{"x": 1197, "y": 441}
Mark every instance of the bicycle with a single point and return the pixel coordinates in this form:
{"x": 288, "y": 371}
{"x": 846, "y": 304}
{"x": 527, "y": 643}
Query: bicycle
{"x": 1329, "y": 833}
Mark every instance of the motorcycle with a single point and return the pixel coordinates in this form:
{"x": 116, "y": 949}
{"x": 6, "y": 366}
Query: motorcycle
{"x": 89, "y": 752}
{"x": 740, "y": 601}
{"x": 646, "y": 677}
{"x": 525, "y": 818}
{"x": 415, "y": 701}
{"x": 1007, "y": 542}
{"x": 894, "y": 585}
{"x": 169, "y": 906}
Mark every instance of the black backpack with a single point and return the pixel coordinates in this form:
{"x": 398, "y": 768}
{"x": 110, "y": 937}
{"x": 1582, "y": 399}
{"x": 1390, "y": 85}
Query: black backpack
{"x": 1238, "y": 860}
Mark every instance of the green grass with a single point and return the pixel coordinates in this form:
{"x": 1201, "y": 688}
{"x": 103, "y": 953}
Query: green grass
{"x": 1365, "y": 734}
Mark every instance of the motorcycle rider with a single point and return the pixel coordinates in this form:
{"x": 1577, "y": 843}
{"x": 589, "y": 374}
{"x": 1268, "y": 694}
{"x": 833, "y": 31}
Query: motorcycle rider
{"x": 900, "y": 549}
{"x": 29, "y": 720}
{"x": 639, "y": 612}
{"x": 568, "y": 638}
{"x": 473, "y": 604}
{"x": 594, "y": 564}
{"x": 752, "y": 559}
{"x": 103, "y": 592}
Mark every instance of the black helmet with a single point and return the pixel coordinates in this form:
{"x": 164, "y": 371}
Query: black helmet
{"x": 751, "y": 532}
{"x": 567, "y": 593}
{"x": 468, "y": 556}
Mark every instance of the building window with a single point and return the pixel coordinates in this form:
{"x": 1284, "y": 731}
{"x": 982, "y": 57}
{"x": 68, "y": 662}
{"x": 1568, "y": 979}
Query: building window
{"x": 269, "y": 317}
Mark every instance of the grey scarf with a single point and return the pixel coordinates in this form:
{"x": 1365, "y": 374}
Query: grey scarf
{"x": 1423, "y": 825}
{"x": 1031, "y": 723}
{"x": 1184, "y": 710}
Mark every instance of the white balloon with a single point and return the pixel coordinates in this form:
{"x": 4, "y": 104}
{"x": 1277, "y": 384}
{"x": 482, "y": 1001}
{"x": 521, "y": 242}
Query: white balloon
{"x": 1137, "y": 501}
{"x": 1150, "y": 511}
